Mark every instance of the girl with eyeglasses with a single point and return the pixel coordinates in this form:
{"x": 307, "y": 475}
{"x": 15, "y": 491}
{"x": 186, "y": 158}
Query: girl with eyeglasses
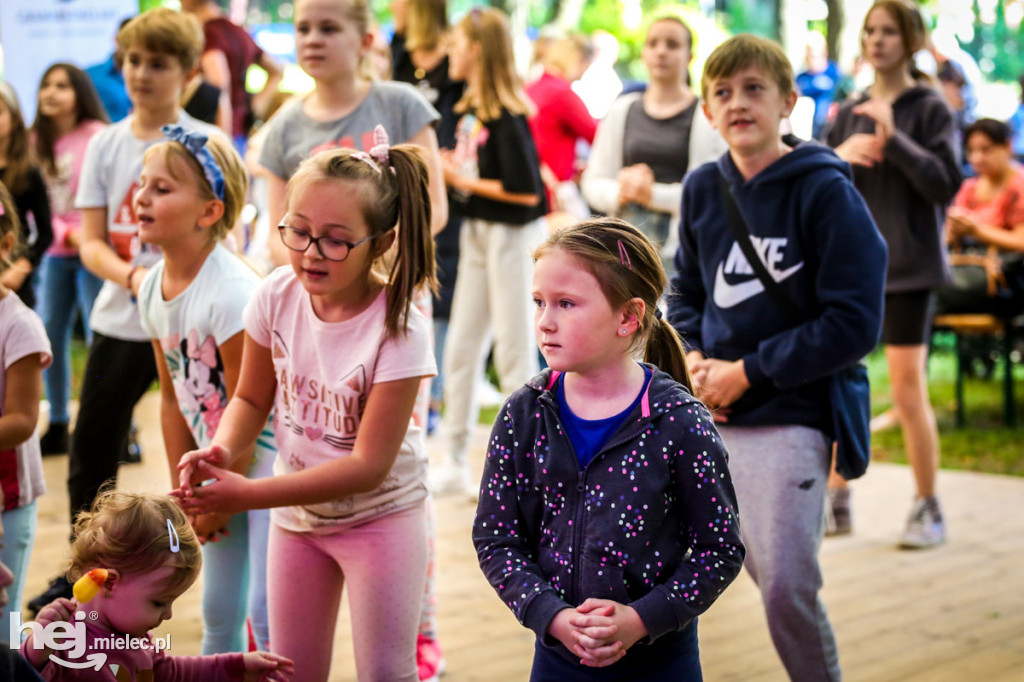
{"x": 335, "y": 347}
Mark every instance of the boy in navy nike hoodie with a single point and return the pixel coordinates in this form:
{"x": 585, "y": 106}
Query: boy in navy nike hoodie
{"x": 767, "y": 380}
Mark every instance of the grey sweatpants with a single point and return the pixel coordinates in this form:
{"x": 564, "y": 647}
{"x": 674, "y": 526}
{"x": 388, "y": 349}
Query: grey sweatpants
{"x": 780, "y": 475}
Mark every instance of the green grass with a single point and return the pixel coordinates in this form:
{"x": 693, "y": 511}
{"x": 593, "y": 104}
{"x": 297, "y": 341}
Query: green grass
{"x": 984, "y": 444}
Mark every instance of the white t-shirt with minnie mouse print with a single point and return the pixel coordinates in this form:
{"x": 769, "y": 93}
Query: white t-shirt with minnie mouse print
{"x": 190, "y": 328}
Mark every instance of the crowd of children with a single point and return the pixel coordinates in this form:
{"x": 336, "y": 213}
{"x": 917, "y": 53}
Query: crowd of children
{"x": 619, "y": 497}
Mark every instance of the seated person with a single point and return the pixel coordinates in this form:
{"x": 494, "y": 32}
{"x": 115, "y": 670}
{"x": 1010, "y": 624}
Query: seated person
{"x": 985, "y": 228}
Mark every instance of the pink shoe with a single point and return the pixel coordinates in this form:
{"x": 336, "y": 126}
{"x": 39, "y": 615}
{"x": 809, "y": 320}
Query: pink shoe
{"x": 429, "y": 660}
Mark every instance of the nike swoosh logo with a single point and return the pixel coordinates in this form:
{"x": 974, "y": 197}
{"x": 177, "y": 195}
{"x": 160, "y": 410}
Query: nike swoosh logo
{"x": 728, "y": 295}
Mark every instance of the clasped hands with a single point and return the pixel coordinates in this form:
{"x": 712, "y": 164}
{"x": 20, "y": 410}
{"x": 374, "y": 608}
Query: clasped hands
{"x": 718, "y": 383}
{"x": 599, "y": 631}
{"x": 636, "y": 185}
{"x": 205, "y": 486}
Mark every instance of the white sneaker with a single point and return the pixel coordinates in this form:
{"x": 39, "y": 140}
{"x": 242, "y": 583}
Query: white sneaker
{"x": 925, "y": 527}
{"x": 489, "y": 394}
{"x": 451, "y": 478}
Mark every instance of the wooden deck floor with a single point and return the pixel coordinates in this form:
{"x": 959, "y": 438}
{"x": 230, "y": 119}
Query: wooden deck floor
{"x": 951, "y": 614}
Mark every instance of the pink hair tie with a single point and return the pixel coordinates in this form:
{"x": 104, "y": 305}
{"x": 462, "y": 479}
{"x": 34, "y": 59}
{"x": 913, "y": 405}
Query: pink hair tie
{"x": 380, "y": 149}
{"x": 624, "y": 255}
{"x": 379, "y": 155}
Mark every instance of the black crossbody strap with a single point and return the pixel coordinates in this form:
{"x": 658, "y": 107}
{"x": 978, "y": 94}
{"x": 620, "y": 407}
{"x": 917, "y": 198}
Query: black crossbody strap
{"x": 742, "y": 235}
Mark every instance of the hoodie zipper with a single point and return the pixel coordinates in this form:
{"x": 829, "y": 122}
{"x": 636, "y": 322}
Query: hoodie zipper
{"x": 581, "y": 485}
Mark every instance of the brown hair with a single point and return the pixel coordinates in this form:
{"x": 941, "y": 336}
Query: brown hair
{"x": 911, "y": 27}
{"x": 743, "y": 51}
{"x": 500, "y": 87}
{"x": 627, "y": 266}
{"x": 678, "y": 20}
{"x": 19, "y": 162}
{"x": 129, "y": 532}
{"x": 236, "y": 179}
{"x": 394, "y": 195}
{"x": 427, "y": 24}
{"x": 358, "y": 12}
{"x": 87, "y": 108}
{"x": 165, "y": 31}
{"x": 9, "y": 224}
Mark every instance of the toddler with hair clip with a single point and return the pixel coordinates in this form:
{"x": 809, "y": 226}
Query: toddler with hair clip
{"x": 151, "y": 555}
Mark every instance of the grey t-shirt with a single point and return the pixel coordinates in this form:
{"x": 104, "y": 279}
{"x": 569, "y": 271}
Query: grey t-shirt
{"x": 661, "y": 143}
{"x": 292, "y": 136}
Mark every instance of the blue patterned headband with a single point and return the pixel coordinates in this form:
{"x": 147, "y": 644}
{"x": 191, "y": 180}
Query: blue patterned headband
{"x": 195, "y": 143}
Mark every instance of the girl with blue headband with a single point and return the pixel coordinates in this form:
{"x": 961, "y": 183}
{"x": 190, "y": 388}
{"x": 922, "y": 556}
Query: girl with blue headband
{"x": 190, "y": 194}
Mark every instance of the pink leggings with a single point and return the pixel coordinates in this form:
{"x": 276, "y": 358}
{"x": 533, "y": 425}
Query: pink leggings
{"x": 382, "y": 562}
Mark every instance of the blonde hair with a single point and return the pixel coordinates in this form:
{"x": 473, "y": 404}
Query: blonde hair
{"x": 564, "y": 55}
{"x": 499, "y": 87}
{"x": 129, "y": 532}
{"x": 236, "y": 179}
{"x": 9, "y": 224}
{"x": 19, "y": 161}
{"x": 743, "y": 51}
{"x": 394, "y": 195}
{"x": 427, "y": 24}
{"x": 626, "y": 266}
{"x": 165, "y": 31}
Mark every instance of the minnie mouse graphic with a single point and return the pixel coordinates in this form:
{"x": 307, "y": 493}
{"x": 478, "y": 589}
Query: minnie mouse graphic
{"x": 205, "y": 393}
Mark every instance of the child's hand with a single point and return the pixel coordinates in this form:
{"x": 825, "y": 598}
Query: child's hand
{"x": 227, "y": 493}
{"x": 452, "y": 175}
{"x": 723, "y": 382}
{"x": 881, "y": 113}
{"x": 565, "y": 632}
{"x": 263, "y": 665}
{"x": 617, "y": 628}
{"x": 211, "y": 527}
{"x": 187, "y": 472}
{"x": 861, "y": 149}
{"x": 57, "y": 611}
{"x": 636, "y": 185}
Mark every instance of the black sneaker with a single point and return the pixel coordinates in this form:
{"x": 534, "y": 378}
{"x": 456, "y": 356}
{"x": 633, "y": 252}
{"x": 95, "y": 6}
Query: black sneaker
{"x": 60, "y": 587}
{"x": 55, "y": 440}
{"x": 133, "y": 452}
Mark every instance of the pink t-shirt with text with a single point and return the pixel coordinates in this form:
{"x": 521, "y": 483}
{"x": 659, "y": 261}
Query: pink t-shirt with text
{"x": 325, "y": 371}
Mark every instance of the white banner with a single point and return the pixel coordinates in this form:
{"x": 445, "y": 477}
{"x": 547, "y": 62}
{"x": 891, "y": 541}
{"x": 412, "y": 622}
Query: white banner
{"x": 37, "y": 33}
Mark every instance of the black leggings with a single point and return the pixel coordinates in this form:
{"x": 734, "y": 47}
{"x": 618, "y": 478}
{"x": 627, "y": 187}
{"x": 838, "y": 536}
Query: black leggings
{"x": 117, "y": 374}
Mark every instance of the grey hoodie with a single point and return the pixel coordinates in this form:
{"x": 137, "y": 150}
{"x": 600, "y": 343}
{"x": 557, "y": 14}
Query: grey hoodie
{"x": 909, "y": 190}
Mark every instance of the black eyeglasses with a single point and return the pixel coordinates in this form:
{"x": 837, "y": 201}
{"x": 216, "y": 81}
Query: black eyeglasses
{"x": 329, "y": 247}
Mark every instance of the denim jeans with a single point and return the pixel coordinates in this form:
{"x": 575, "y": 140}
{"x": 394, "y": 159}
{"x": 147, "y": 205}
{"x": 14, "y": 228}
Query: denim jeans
{"x": 19, "y": 536}
{"x": 64, "y": 288}
{"x": 440, "y": 334}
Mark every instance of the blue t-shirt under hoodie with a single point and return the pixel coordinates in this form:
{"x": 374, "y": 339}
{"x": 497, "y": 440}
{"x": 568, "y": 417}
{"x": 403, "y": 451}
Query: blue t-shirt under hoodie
{"x": 588, "y": 436}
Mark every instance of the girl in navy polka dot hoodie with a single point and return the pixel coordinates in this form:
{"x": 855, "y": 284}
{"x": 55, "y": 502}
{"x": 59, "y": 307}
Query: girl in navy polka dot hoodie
{"x": 607, "y": 519}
